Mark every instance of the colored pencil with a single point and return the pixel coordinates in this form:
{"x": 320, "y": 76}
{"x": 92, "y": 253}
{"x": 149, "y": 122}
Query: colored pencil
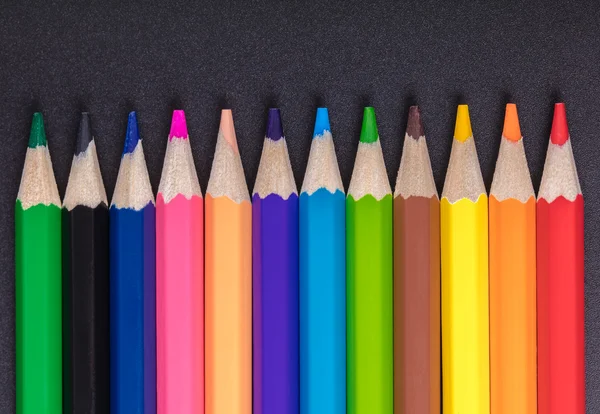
{"x": 512, "y": 277}
{"x": 38, "y": 281}
{"x": 416, "y": 277}
{"x": 275, "y": 277}
{"x": 369, "y": 278}
{"x": 179, "y": 278}
{"x": 228, "y": 279}
{"x": 560, "y": 295}
{"x": 85, "y": 281}
{"x": 322, "y": 278}
{"x": 132, "y": 283}
{"x": 465, "y": 310}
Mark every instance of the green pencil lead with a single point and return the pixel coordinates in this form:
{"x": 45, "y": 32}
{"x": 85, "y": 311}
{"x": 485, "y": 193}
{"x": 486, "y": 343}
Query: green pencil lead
{"x": 368, "y": 133}
{"x": 37, "y": 136}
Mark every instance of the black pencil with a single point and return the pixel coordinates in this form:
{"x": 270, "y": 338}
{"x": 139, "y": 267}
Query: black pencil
{"x": 85, "y": 282}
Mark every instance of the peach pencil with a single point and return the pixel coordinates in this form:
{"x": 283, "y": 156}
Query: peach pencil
{"x": 228, "y": 287}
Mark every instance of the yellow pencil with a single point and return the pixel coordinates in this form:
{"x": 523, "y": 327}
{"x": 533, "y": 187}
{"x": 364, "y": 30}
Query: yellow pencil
{"x": 465, "y": 302}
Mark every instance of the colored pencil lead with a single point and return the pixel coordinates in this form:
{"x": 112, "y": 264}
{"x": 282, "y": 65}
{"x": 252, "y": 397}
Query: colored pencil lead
{"x": 414, "y": 126}
{"x": 132, "y": 136}
{"x": 274, "y": 127}
{"x": 37, "y": 135}
{"x": 369, "y": 133}
{"x": 560, "y": 128}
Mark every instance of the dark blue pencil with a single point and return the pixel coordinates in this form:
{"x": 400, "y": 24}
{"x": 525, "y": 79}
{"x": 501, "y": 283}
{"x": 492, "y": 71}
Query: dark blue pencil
{"x": 132, "y": 284}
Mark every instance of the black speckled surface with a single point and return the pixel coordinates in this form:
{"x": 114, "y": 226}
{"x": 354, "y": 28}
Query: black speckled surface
{"x": 111, "y": 57}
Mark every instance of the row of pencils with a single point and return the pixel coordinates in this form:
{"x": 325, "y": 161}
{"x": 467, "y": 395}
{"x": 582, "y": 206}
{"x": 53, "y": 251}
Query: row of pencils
{"x": 369, "y": 302}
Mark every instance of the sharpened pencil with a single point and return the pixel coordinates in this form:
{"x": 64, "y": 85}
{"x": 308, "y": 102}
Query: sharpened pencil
{"x": 370, "y": 360}
{"x": 560, "y": 277}
{"x": 322, "y": 278}
{"x": 85, "y": 281}
{"x": 512, "y": 277}
{"x": 275, "y": 277}
{"x": 132, "y": 283}
{"x": 465, "y": 303}
{"x": 38, "y": 281}
{"x": 179, "y": 278}
{"x": 416, "y": 277}
{"x": 228, "y": 279}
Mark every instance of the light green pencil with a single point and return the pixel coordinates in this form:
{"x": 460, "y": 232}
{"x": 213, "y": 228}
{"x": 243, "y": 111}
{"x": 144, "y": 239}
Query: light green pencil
{"x": 38, "y": 281}
{"x": 369, "y": 278}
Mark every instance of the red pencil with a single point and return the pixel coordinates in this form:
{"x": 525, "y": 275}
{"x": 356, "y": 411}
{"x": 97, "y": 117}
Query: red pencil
{"x": 560, "y": 298}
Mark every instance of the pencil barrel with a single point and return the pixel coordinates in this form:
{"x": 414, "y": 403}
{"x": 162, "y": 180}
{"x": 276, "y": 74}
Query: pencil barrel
{"x": 369, "y": 305}
{"x": 228, "y": 286}
{"x": 85, "y": 310}
{"x": 38, "y": 309}
{"x": 417, "y": 385}
{"x": 132, "y": 311}
{"x": 560, "y": 306}
{"x": 465, "y": 306}
{"x": 512, "y": 306}
{"x": 322, "y": 302}
{"x": 180, "y": 304}
{"x": 275, "y": 304}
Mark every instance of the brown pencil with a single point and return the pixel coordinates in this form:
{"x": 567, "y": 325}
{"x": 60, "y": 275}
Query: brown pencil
{"x": 416, "y": 278}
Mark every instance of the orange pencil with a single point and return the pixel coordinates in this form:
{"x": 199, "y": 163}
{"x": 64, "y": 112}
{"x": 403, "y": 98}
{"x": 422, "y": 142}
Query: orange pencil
{"x": 512, "y": 236}
{"x": 228, "y": 280}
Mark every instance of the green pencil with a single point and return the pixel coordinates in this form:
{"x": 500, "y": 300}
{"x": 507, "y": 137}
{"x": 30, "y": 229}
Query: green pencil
{"x": 369, "y": 278}
{"x": 38, "y": 281}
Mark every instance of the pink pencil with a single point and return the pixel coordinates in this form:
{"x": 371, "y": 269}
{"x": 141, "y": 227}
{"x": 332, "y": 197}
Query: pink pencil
{"x": 179, "y": 279}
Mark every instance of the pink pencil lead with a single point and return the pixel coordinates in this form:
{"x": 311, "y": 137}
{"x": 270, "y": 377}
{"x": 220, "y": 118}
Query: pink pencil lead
{"x": 178, "y": 125}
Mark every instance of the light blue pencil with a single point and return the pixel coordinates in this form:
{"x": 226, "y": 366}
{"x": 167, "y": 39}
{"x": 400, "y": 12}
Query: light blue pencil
{"x": 322, "y": 278}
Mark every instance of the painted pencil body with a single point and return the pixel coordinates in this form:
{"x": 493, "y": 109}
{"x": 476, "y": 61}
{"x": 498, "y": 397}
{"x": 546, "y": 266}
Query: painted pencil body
{"x": 322, "y": 278}
{"x": 179, "y": 279}
{"x": 560, "y": 278}
{"x": 275, "y": 277}
{"x": 85, "y": 281}
{"x": 416, "y": 278}
{"x": 38, "y": 281}
{"x": 369, "y": 278}
{"x": 464, "y": 258}
{"x": 228, "y": 280}
{"x": 512, "y": 277}
{"x": 132, "y": 283}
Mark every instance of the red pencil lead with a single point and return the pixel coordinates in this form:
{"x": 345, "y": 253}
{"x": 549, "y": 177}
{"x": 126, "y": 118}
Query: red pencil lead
{"x": 560, "y": 129}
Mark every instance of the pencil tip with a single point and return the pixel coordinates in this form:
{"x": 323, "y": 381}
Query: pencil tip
{"x": 321, "y": 122}
{"x": 84, "y": 135}
{"x": 132, "y": 136}
{"x": 178, "y": 125}
{"x": 560, "y": 129}
{"x": 462, "y": 128}
{"x": 37, "y": 135}
{"x": 274, "y": 127}
{"x": 414, "y": 126}
{"x": 227, "y": 129}
{"x": 512, "y": 129}
{"x": 368, "y": 133}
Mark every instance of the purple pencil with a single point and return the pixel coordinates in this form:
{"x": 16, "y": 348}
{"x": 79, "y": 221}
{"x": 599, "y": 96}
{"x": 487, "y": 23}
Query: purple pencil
{"x": 275, "y": 277}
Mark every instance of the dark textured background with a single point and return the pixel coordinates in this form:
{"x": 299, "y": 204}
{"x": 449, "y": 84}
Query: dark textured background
{"x": 110, "y": 58}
